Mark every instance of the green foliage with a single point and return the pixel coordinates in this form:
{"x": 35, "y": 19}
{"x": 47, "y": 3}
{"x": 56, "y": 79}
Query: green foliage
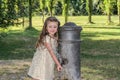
{"x": 118, "y": 6}
{"x": 97, "y": 7}
{"x": 22, "y": 10}
{"x": 42, "y": 4}
{"x": 109, "y": 6}
{"x": 11, "y": 12}
{"x": 108, "y": 9}
{"x": 65, "y": 4}
{"x": 58, "y": 8}
{"x": 42, "y": 7}
{"x": 89, "y": 6}
{"x": 74, "y": 7}
{"x": 83, "y": 7}
{"x": 3, "y": 20}
{"x": 51, "y": 6}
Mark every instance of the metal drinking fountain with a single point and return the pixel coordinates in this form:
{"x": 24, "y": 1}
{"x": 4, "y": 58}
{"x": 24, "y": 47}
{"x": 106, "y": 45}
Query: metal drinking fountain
{"x": 69, "y": 49}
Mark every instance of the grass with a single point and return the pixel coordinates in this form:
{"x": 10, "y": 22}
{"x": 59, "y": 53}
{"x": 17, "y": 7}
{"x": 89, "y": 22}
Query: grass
{"x": 100, "y": 50}
{"x": 18, "y": 44}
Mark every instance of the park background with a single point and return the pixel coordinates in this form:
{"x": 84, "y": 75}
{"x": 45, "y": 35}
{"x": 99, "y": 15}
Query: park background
{"x": 21, "y": 22}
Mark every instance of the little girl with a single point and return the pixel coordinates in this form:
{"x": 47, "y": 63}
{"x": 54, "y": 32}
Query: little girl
{"x": 42, "y": 67}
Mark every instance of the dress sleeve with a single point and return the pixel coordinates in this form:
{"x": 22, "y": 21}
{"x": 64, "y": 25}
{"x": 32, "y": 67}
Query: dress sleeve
{"x": 47, "y": 39}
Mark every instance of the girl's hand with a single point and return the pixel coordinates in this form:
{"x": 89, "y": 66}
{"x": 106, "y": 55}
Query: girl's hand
{"x": 59, "y": 68}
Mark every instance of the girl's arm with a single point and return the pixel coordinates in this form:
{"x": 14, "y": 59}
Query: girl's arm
{"x": 48, "y": 46}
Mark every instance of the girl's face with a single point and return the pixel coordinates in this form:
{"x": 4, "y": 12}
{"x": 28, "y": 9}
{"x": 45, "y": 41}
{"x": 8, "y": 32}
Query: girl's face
{"x": 52, "y": 28}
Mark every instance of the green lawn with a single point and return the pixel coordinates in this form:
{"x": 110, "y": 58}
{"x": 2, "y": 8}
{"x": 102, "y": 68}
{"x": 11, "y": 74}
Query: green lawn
{"x": 100, "y": 46}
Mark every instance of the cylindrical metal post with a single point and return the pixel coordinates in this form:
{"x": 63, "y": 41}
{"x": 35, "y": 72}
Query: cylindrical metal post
{"x": 69, "y": 49}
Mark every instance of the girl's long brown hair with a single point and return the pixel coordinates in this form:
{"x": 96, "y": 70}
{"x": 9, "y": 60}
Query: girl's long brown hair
{"x": 44, "y": 30}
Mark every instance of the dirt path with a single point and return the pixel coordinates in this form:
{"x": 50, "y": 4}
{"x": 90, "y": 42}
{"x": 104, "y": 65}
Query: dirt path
{"x": 14, "y": 69}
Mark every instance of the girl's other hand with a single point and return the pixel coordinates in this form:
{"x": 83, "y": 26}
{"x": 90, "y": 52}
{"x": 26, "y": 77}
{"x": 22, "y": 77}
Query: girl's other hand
{"x": 59, "y": 68}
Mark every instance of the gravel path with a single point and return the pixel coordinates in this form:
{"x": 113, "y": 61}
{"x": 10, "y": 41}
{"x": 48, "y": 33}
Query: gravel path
{"x": 14, "y": 69}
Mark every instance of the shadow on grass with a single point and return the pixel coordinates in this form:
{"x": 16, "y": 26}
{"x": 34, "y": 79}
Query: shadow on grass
{"x": 101, "y": 47}
{"x": 102, "y": 58}
{"x": 30, "y": 29}
{"x": 103, "y": 27}
{"x": 98, "y": 34}
{"x": 18, "y": 45}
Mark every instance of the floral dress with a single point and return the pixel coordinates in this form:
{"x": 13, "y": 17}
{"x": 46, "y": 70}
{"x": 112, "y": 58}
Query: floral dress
{"x": 42, "y": 66}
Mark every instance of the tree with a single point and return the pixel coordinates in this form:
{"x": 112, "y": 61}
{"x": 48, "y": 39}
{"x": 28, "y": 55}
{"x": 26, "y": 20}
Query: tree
{"x": 50, "y": 6}
{"x": 11, "y": 12}
{"x": 108, "y": 8}
{"x": 118, "y": 6}
{"x": 65, "y": 4}
{"x": 89, "y": 10}
{"x": 97, "y": 7}
{"x": 30, "y": 14}
{"x": 3, "y": 21}
{"x": 21, "y": 10}
{"x": 42, "y": 7}
{"x": 74, "y": 7}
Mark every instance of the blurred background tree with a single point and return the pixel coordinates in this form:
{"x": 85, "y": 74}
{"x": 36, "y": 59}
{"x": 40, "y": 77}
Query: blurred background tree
{"x": 11, "y": 11}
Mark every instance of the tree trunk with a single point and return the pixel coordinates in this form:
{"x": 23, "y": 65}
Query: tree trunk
{"x": 66, "y": 14}
{"x": 90, "y": 18}
{"x": 30, "y": 13}
{"x": 23, "y": 22}
{"x": 51, "y": 8}
{"x": 109, "y": 11}
{"x": 65, "y": 9}
{"x": 118, "y": 5}
{"x": 42, "y": 7}
{"x": 119, "y": 19}
{"x": 89, "y": 10}
{"x": 43, "y": 15}
{"x": 109, "y": 18}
